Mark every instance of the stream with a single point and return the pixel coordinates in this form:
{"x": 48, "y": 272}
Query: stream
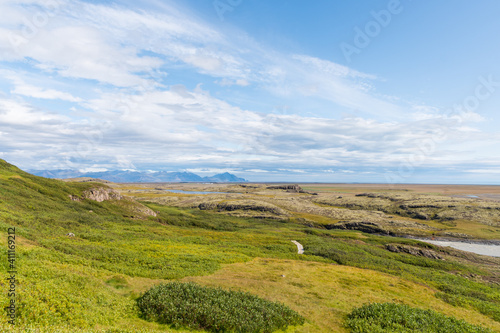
{"x": 479, "y": 248}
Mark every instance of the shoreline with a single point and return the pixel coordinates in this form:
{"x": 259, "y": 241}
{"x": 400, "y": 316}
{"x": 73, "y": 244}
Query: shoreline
{"x": 493, "y": 242}
{"x": 486, "y": 248}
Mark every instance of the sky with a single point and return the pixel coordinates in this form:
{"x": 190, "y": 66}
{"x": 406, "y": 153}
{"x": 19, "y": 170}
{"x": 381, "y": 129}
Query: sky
{"x": 286, "y": 90}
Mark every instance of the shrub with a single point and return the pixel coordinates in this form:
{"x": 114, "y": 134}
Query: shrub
{"x": 192, "y": 306}
{"x": 390, "y": 317}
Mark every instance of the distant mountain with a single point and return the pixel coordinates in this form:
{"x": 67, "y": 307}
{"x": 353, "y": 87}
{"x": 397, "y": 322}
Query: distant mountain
{"x": 124, "y": 176}
{"x": 225, "y": 177}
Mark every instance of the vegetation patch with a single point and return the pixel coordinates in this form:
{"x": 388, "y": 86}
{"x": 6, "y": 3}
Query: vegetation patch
{"x": 448, "y": 276}
{"x": 214, "y": 309}
{"x": 90, "y": 282}
{"x": 391, "y": 317}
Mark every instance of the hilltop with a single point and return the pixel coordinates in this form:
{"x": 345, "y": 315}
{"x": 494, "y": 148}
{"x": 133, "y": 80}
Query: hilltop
{"x": 86, "y": 251}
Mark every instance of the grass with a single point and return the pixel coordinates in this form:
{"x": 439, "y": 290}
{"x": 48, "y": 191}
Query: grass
{"x": 448, "y": 216}
{"x": 399, "y": 212}
{"x": 325, "y": 294}
{"x": 90, "y": 282}
{"x": 390, "y": 317}
{"x": 214, "y": 309}
{"x": 444, "y": 275}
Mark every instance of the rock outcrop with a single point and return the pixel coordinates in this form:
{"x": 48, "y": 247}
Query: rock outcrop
{"x": 289, "y": 188}
{"x": 98, "y": 194}
{"x": 75, "y": 198}
{"x": 101, "y": 194}
{"x": 139, "y": 209}
{"x": 244, "y": 205}
{"x": 413, "y": 250}
{"x": 368, "y": 227}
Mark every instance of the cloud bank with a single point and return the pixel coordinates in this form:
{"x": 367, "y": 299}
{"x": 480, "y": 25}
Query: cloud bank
{"x": 89, "y": 85}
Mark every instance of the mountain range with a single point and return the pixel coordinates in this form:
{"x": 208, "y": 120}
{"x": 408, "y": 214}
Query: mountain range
{"x": 127, "y": 176}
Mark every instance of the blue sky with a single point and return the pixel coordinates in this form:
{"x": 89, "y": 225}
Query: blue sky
{"x": 331, "y": 91}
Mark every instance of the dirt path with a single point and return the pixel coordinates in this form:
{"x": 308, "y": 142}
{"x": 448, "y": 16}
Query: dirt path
{"x": 300, "y": 248}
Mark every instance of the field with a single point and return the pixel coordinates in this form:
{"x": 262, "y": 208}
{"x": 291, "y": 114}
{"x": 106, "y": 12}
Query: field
{"x": 140, "y": 236}
{"x": 447, "y": 211}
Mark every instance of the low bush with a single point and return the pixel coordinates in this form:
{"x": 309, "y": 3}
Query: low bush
{"x": 390, "y": 317}
{"x": 192, "y": 306}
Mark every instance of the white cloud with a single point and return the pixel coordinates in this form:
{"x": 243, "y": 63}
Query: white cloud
{"x": 93, "y": 169}
{"x": 215, "y": 130}
{"x": 211, "y": 171}
{"x": 485, "y": 171}
{"x": 332, "y": 69}
{"x": 206, "y": 63}
{"x": 21, "y": 88}
{"x": 242, "y": 82}
{"x": 182, "y": 128}
{"x": 104, "y": 43}
{"x": 225, "y": 82}
{"x": 13, "y": 113}
{"x": 133, "y": 119}
{"x": 293, "y": 170}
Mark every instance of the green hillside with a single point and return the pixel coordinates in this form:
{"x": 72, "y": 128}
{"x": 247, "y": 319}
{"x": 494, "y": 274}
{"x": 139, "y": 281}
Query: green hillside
{"x": 120, "y": 249}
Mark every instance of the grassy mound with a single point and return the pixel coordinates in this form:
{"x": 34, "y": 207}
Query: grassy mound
{"x": 217, "y": 310}
{"x": 390, "y": 317}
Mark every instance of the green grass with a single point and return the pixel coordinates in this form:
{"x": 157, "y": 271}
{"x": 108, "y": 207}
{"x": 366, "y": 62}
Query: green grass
{"x": 390, "y": 317}
{"x": 91, "y": 282}
{"x": 214, "y": 309}
{"x": 446, "y": 276}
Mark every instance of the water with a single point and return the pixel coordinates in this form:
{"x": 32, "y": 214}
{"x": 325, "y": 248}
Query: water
{"x": 486, "y": 249}
{"x": 195, "y": 192}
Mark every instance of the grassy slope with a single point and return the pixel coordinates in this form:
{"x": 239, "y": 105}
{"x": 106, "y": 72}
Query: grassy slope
{"x": 91, "y": 281}
{"x": 325, "y": 293}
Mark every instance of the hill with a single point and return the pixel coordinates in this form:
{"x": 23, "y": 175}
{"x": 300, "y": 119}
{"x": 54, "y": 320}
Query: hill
{"x": 84, "y": 253}
{"x": 127, "y": 176}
